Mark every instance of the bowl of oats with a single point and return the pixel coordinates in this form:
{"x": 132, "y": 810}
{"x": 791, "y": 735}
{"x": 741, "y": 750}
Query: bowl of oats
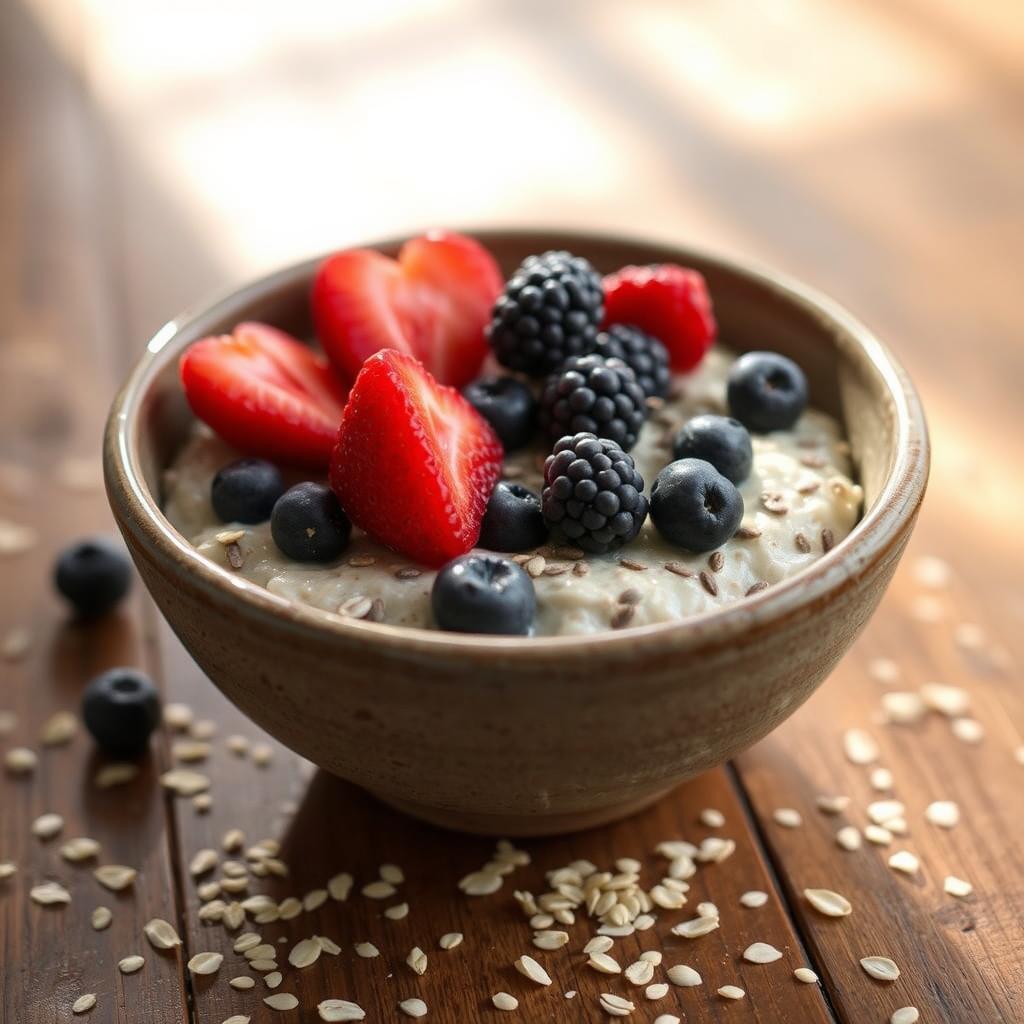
{"x": 518, "y": 530}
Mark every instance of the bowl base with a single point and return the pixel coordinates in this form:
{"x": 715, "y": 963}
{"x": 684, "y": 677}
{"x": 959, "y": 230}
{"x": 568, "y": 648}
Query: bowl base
{"x": 523, "y": 825}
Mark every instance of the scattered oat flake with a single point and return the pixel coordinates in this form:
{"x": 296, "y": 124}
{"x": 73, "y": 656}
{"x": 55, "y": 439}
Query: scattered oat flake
{"x": 616, "y": 1006}
{"x": 827, "y": 902}
{"x": 903, "y": 707}
{"x": 115, "y": 774}
{"x": 131, "y": 964}
{"x": 958, "y": 887}
{"x": 905, "y": 1015}
{"x": 640, "y": 972}
{"x": 859, "y": 746}
{"x": 849, "y": 838}
{"x": 754, "y": 898}
{"x": 115, "y": 877}
{"x": 696, "y": 927}
{"x": 944, "y": 813}
{"x": 877, "y": 834}
{"x": 340, "y": 886}
{"x": 731, "y": 992}
{"x": 206, "y": 963}
{"x": 684, "y": 976}
{"x": 967, "y": 730}
{"x": 480, "y": 883}
{"x": 161, "y": 934}
{"x": 450, "y": 940}
{"x": 832, "y": 804}
{"x": 712, "y": 818}
{"x": 203, "y": 861}
{"x": 656, "y": 991}
{"x": 46, "y": 826}
{"x": 950, "y": 701}
{"x": 598, "y": 944}
{"x": 788, "y": 817}
{"x": 7, "y": 869}
{"x": 397, "y": 912}
{"x": 305, "y": 953}
{"x": 881, "y": 811}
{"x": 379, "y": 890}
{"x": 905, "y": 861}
{"x": 184, "y": 782}
{"x": 884, "y": 670}
{"x": 100, "y": 918}
{"x": 20, "y": 761}
{"x": 49, "y": 893}
{"x": 806, "y": 975}
{"x": 413, "y": 1007}
{"x": 761, "y": 953}
{"x": 281, "y": 1001}
{"x": 16, "y": 539}
{"x": 367, "y": 950}
{"x": 16, "y": 644}
{"x": 604, "y": 963}
{"x": 880, "y": 967}
{"x": 83, "y": 1004}
{"x": 58, "y": 729}
{"x": 667, "y": 1018}
{"x": 504, "y": 1001}
{"x": 340, "y": 1010}
{"x": 273, "y": 979}
{"x": 242, "y": 982}
{"x": 529, "y": 968}
{"x": 550, "y": 939}
{"x": 238, "y": 1018}
{"x": 880, "y": 779}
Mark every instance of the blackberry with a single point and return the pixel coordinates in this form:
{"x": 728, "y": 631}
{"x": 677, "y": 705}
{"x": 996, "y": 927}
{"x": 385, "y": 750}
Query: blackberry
{"x": 591, "y": 394}
{"x": 550, "y": 310}
{"x": 644, "y": 354}
{"x": 593, "y": 495}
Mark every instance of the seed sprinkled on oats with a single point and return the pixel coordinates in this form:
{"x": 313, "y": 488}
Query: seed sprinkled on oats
{"x": 413, "y": 1007}
{"x": 504, "y": 1001}
{"x": 958, "y": 887}
{"x": 756, "y": 588}
{"x": 787, "y": 817}
{"x": 829, "y": 903}
{"x": 754, "y": 898}
{"x": 340, "y": 1010}
{"x": 860, "y": 746}
{"x": 83, "y": 1004}
{"x": 806, "y": 975}
{"x": 731, "y": 992}
{"x": 161, "y": 934}
{"x": 623, "y": 616}
{"x": 678, "y": 569}
{"x": 716, "y": 561}
{"x": 707, "y": 581}
{"x": 226, "y": 537}
{"x": 944, "y": 813}
{"x": 49, "y": 894}
{"x": 529, "y": 968}
{"x": 131, "y": 964}
{"x": 880, "y": 967}
{"x": 632, "y": 565}
{"x": 450, "y": 940}
{"x": 281, "y": 1001}
{"x": 774, "y": 502}
{"x": 905, "y": 1015}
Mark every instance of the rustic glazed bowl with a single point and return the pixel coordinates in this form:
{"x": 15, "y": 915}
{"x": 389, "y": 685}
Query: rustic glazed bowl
{"x": 532, "y": 736}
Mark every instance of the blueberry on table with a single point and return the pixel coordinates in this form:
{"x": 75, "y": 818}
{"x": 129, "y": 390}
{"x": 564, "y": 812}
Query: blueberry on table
{"x": 766, "y": 391}
{"x": 508, "y": 405}
{"x": 309, "y": 525}
{"x": 694, "y": 507}
{"x": 245, "y": 491}
{"x": 121, "y": 708}
{"x": 720, "y": 440}
{"x": 483, "y": 594}
{"x": 513, "y": 520}
{"x": 593, "y": 494}
{"x": 93, "y": 575}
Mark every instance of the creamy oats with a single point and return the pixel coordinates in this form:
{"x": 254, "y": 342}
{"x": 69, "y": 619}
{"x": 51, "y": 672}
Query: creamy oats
{"x": 799, "y": 500}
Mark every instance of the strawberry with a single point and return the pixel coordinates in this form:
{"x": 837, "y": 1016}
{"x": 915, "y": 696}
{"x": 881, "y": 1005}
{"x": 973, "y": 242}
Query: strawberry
{"x": 433, "y": 302}
{"x": 265, "y": 393}
{"x": 415, "y": 463}
{"x": 665, "y": 300}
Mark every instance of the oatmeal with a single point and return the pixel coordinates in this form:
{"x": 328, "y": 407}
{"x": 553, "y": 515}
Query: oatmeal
{"x": 799, "y": 500}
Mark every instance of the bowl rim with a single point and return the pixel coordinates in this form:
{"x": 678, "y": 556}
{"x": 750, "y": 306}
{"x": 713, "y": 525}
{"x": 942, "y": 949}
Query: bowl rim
{"x": 871, "y": 537}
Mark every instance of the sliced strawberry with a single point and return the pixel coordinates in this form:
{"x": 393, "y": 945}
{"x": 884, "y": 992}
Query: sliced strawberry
{"x": 415, "y": 463}
{"x": 668, "y": 301}
{"x": 433, "y": 302}
{"x": 265, "y": 393}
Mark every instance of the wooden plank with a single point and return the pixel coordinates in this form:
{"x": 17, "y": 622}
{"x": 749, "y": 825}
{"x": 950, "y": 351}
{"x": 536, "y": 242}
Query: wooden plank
{"x": 56, "y": 369}
{"x": 326, "y": 826}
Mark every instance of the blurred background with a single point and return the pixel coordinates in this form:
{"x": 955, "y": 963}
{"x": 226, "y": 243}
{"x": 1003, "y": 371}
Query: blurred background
{"x": 156, "y": 151}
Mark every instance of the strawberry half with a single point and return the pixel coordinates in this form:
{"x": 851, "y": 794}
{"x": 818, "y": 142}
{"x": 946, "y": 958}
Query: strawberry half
{"x": 433, "y": 302}
{"x": 668, "y": 301}
{"x": 415, "y": 463}
{"x": 265, "y": 393}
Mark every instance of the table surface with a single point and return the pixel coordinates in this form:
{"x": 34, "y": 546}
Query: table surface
{"x": 881, "y": 163}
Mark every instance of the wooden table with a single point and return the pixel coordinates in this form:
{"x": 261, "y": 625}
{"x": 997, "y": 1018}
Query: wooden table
{"x": 873, "y": 149}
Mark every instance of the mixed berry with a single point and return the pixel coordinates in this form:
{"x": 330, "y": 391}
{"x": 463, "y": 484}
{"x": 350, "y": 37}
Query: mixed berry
{"x": 433, "y": 369}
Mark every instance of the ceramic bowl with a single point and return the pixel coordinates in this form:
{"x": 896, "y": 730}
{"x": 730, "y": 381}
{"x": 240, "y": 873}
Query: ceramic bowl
{"x": 533, "y": 736}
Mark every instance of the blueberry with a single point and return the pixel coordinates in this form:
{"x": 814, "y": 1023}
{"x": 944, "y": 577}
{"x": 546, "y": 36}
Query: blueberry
{"x": 93, "y": 575}
{"x": 694, "y": 506}
{"x": 720, "y": 440}
{"x": 483, "y": 594}
{"x": 508, "y": 405}
{"x": 513, "y": 520}
{"x": 245, "y": 491}
{"x": 766, "y": 391}
{"x": 121, "y": 708}
{"x": 308, "y": 524}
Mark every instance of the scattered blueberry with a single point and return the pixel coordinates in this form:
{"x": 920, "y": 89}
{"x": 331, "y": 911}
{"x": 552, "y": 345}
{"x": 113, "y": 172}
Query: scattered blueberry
{"x": 93, "y": 575}
{"x": 513, "y": 520}
{"x": 508, "y": 405}
{"x": 591, "y": 394}
{"x": 644, "y": 354}
{"x": 550, "y": 309}
{"x": 121, "y": 708}
{"x": 720, "y": 440}
{"x": 483, "y": 594}
{"x": 694, "y": 506}
{"x": 593, "y": 495}
{"x": 766, "y": 391}
{"x": 245, "y": 491}
{"x": 308, "y": 524}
